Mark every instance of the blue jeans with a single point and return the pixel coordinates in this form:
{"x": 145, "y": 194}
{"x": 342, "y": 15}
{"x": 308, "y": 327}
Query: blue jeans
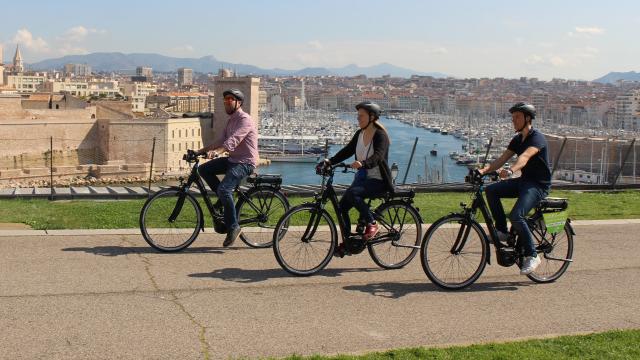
{"x": 529, "y": 194}
{"x": 233, "y": 174}
{"x": 355, "y": 196}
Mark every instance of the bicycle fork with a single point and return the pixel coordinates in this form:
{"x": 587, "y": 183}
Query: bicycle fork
{"x": 461, "y": 238}
{"x": 312, "y": 226}
{"x": 177, "y": 208}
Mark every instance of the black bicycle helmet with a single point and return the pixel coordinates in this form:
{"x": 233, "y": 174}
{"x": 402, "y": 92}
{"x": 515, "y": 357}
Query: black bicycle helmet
{"x": 235, "y": 93}
{"x": 524, "y": 108}
{"x": 371, "y": 107}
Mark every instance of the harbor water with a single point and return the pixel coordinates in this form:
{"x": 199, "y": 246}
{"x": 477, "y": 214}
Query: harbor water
{"x": 424, "y": 166}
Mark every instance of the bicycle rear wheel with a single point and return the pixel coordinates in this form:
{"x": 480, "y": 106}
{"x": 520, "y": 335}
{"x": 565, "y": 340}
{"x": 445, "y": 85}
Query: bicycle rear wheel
{"x": 304, "y": 240}
{"x": 552, "y": 250}
{"x": 258, "y": 215}
{"x": 170, "y": 220}
{"x": 453, "y": 252}
{"x": 401, "y": 223}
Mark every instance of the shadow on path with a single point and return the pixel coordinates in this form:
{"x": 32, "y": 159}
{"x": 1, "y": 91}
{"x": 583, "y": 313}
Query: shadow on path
{"x": 126, "y": 250}
{"x": 394, "y": 290}
{"x": 252, "y": 276}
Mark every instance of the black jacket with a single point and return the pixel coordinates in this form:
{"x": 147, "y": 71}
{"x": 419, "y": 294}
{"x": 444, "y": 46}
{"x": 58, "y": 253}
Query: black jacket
{"x": 379, "y": 158}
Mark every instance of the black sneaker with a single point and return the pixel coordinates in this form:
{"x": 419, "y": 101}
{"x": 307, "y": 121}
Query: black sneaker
{"x": 339, "y": 251}
{"x": 232, "y": 235}
{"x": 218, "y": 208}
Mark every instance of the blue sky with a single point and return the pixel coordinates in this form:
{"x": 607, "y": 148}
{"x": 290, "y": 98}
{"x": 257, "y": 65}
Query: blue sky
{"x": 491, "y": 38}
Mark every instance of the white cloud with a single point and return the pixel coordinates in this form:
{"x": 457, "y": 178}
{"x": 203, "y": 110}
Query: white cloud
{"x": 438, "y": 50}
{"x": 534, "y": 60}
{"x": 36, "y": 44}
{"x": 178, "y": 50}
{"x": 72, "y": 50}
{"x": 586, "y": 31}
{"x": 566, "y": 59}
{"x": 79, "y": 33}
{"x": 316, "y": 45}
{"x": 587, "y": 52}
{"x": 415, "y": 55}
{"x": 557, "y": 61}
{"x": 590, "y": 30}
{"x": 67, "y": 43}
{"x": 547, "y": 60}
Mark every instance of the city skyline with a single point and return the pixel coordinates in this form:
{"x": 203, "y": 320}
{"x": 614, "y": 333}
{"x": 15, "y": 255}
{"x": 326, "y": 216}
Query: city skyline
{"x": 573, "y": 40}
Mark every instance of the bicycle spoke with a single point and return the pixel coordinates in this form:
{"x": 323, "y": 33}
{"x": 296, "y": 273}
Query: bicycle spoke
{"x": 453, "y": 270}
{"x": 400, "y": 231}
{"x": 260, "y": 210}
{"x": 301, "y": 255}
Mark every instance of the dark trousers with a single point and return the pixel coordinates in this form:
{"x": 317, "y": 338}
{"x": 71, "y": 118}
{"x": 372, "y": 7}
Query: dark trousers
{"x": 355, "y": 196}
{"x": 233, "y": 174}
{"x": 529, "y": 194}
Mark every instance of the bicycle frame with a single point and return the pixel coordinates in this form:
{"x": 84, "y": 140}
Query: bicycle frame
{"x": 194, "y": 178}
{"x": 469, "y": 214}
{"x": 328, "y": 194}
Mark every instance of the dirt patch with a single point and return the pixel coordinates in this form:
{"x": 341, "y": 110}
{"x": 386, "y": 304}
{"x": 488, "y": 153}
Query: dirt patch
{"x": 14, "y": 226}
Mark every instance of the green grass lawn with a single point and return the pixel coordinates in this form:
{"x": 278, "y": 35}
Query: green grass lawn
{"x": 114, "y": 214}
{"x": 607, "y": 345}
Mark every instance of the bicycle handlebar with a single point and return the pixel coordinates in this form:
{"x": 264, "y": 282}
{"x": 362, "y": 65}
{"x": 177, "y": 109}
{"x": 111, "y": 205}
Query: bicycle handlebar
{"x": 340, "y": 165}
{"x": 475, "y": 178}
{"x": 192, "y": 156}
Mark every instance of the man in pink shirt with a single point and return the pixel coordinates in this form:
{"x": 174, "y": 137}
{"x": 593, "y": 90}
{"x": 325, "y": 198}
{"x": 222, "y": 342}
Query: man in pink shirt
{"x": 240, "y": 140}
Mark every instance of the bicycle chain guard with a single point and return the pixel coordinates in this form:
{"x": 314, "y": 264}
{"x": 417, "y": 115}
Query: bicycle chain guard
{"x": 354, "y": 245}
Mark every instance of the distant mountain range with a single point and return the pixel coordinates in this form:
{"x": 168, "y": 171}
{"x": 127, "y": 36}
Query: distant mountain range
{"x": 209, "y": 64}
{"x": 612, "y": 77}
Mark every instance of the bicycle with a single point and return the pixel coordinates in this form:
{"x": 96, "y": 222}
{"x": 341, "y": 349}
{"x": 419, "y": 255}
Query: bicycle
{"x": 172, "y": 218}
{"x": 455, "y": 248}
{"x": 306, "y": 237}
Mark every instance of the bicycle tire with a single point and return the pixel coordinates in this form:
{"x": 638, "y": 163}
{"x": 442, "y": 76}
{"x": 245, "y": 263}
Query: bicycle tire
{"x": 549, "y": 269}
{"x": 401, "y": 221}
{"x": 159, "y": 231}
{"x": 297, "y": 232}
{"x": 440, "y": 239}
{"x": 266, "y": 205}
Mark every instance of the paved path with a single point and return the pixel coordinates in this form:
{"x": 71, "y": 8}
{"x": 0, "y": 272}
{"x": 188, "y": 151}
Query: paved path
{"x": 67, "y": 295}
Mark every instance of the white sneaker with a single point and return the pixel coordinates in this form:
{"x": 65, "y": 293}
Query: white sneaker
{"x": 529, "y": 264}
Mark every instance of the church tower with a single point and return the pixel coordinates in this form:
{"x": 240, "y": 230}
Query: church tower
{"x": 18, "y": 64}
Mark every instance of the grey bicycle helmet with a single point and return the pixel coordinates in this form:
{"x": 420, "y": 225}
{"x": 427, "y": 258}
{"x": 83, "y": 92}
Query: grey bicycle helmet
{"x": 235, "y": 93}
{"x": 371, "y": 107}
{"x": 524, "y": 108}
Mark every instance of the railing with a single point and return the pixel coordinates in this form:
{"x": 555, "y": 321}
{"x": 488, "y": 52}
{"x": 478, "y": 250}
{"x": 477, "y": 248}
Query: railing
{"x": 34, "y": 162}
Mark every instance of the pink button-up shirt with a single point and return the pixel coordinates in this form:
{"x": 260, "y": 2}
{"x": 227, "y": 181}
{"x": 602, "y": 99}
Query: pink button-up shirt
{"x": 241, "y": 138}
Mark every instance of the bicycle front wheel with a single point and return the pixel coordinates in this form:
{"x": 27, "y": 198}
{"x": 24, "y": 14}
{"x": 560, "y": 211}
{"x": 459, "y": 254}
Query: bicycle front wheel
{"x": 553, "y": 250}
{"x": 304, "y": 240}
{"x": 170, "y": 220}
{"x": 453, "y": 252}
{"x": 258, "y": 215}
{"x": 400, "y": 223}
